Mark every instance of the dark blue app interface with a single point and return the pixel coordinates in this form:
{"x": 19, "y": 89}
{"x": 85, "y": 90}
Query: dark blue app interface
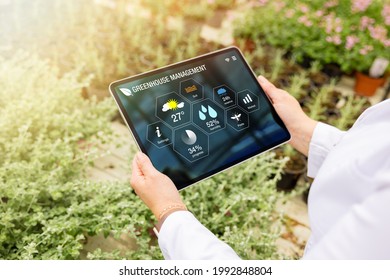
{"x": 196, "y": 118}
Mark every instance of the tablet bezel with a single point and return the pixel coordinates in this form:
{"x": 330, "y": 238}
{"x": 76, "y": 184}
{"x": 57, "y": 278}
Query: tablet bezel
{"x": 137, "y": 139}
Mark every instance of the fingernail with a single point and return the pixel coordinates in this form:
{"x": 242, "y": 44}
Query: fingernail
{"x": 138, "y": 156}
{"x": 262, "y": 79}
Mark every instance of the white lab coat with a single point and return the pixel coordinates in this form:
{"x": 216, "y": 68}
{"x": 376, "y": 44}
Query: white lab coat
{"x": 349, "y": 200}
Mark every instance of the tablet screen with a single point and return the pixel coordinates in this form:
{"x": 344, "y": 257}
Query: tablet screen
{"x": 199, "y": 117}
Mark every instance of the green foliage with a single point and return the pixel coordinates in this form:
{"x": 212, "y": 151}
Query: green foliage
{"x": 317, "y": 105}
{"x": 231, "y": 205}
{"x": 324, "y": 32}
{"x": 49, "y": 133}
{"x": 351, "y": 110}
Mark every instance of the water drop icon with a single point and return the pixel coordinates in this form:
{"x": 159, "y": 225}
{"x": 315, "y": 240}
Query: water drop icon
{"x": 212, "y": 112}
{"x": 202, "y": 116}
{"x": 204, "y": 110}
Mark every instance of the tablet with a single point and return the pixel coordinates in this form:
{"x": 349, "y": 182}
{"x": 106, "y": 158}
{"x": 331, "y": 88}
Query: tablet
{"x": 199, "y": 117}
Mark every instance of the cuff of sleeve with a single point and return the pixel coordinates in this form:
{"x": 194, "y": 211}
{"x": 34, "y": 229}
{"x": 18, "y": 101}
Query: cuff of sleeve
{"x": 324, "y": 139}
{"x": 183, "y": 237}
{"x": 168, "y": 229}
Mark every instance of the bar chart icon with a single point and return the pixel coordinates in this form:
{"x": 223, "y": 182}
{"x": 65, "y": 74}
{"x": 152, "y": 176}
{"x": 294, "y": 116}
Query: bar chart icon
{"x": 247, "y": 99}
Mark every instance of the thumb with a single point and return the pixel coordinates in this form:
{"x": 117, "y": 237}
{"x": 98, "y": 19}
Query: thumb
{"x": 144, "y": 164}
{"x": 268, "y": 87}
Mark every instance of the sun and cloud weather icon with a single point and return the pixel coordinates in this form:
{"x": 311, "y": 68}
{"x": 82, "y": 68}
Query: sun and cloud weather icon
{"x": 172, "y": 104}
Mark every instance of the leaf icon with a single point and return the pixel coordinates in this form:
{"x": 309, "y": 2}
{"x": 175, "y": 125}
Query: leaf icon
{"x": 126, "y": 91}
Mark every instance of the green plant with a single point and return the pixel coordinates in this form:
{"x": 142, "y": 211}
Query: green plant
{"x": 298, "y": 81}
{"x": 351, "y": 110}
{"x": 350, "y": 33}
{"x": 277, "y": 65}
{"x": 48, "y": 136}
{"x": 316, "y": 106}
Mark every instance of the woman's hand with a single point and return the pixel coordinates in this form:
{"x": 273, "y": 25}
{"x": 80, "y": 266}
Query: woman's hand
{"x": 155, "y": 189}
{"x": 300, "y": 126}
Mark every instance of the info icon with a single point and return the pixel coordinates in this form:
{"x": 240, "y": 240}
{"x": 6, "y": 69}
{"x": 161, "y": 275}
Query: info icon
{"x": 159, "y": 134}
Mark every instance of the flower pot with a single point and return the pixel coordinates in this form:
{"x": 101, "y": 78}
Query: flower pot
{"x": 366, "y": 85}
{"x": 291, "y": 173}
{"x": 332, "y": 70}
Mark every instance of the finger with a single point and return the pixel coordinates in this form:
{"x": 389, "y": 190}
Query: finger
{"x": 268, "y": 87}
{"x": 144, "y": 164}
{"x": 136, "y": 175}
{"x": 137, "y": 172}
{"x": 265, "y": 84}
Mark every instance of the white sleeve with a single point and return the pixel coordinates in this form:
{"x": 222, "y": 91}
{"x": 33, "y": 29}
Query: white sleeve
{"x": 362, "y": 233}
{"x": 324, "y": 138}
{"x": 183, "y": 237}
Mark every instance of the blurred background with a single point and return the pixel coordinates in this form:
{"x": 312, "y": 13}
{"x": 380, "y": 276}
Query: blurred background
{"x": 65, "y": 152}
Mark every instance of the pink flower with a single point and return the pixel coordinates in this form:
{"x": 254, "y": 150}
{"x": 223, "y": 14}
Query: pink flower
{"x": 365, "y": 22}
{"x": 319, "y": 13}
{"x": 290, "y": 13}
{"x": 386, "y": 43}
{"x": 305, "y": 20}
{"x": 386, "y": 14}
{"x": 262, "y": 2}
{"x": 366, "y": 49}
{"x": 332, "y": 24}
{"x": 378, "y": 32}
{"x": 308, "y": 23}
{"x": 351, "y": 41}
{"x": 331, "y": 4}
{"x": 360, "y": 5}
{"x": 279, "y": 5}
{"x": 304, "y": 8}
{"x": 335, "y": 39}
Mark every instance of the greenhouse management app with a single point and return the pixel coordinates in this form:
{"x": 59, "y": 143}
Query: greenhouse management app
{"x": 194, "y": 119}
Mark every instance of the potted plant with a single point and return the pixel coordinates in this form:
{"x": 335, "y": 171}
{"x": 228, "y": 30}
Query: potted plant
{"x": 352, "y": 34}
{"x": 367, "y": 85}
{"x": 295, "y": 167}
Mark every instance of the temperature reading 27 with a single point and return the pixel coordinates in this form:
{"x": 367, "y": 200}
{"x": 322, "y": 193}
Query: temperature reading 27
{"x": 177, "y": 116}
